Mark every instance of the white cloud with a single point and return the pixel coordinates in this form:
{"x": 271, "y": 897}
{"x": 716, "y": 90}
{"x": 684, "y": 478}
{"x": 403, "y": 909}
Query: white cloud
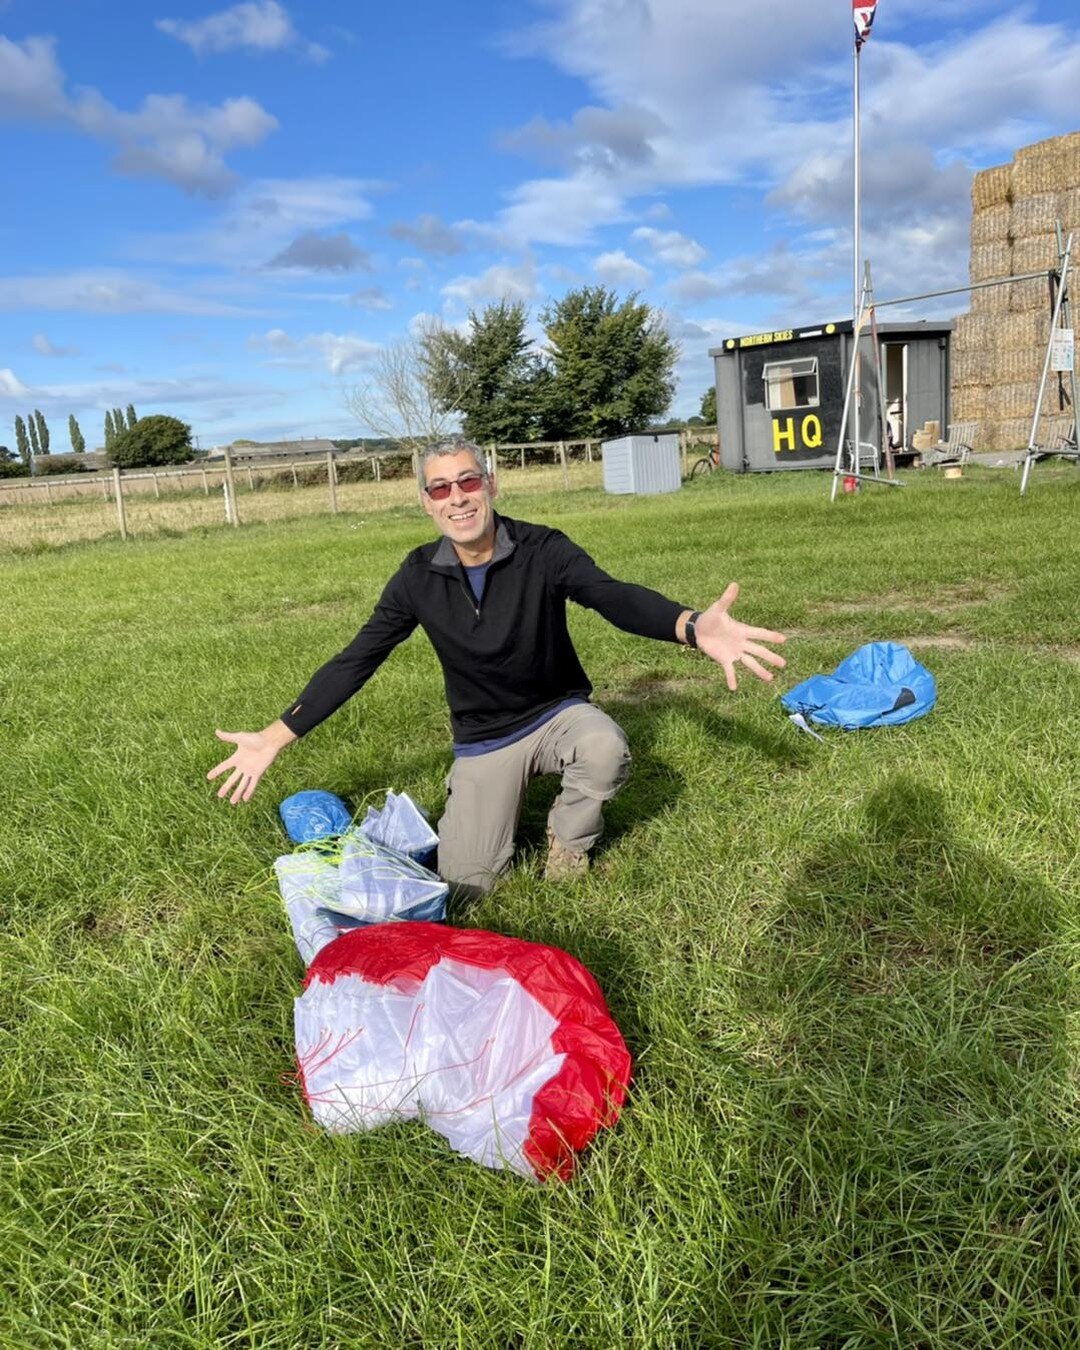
{"x": 618, "y": 269}
{"x": 105, "y": 292}
{"x": 501, "y": 281}
{"x": 11, "y": 386}
{"x": 371, "y": 298}
{"x": 44, "y": 347}
{"x": 338, "y": 352}
{"x": 560, "y": 210}
{"x": 601, "y": 140}
{"x": 259, "y": 25}
{"x": 736, "y": 101}
{"x": 159, "y": 395}
{"x": 322, "y": 253}
{"x": 671, "y": 247}
{"x": 263, "y": 217}
{"x": 166, "y": 137}
{"x": 429, "y": 234}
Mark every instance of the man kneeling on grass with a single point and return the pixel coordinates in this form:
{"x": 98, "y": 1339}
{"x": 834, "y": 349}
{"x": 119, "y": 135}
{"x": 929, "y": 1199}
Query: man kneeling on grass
{"x": 491, "y": 596}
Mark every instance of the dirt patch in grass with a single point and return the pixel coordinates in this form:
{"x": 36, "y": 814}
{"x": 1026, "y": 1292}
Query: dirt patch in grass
{"x": 944, "y": 601}
{"x": 946, "y": 642}
{"x": 645, "y": 687}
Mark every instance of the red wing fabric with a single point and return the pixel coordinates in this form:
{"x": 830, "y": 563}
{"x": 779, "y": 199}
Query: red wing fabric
{"x": 504, "y": 1047}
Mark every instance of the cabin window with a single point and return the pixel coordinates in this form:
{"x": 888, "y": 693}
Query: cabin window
{"x": 791, "y": 384}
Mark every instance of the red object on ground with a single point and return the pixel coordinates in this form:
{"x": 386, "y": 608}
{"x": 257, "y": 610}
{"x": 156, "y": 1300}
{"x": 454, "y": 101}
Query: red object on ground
{"x": 505, "y": 1047}
{"x": 851, "y": 483}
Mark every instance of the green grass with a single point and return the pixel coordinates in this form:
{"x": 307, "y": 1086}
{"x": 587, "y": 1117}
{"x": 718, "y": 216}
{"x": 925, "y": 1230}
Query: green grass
{"x": 847, "y": 972}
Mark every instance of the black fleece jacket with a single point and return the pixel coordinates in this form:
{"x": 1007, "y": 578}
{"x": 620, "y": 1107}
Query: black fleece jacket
{"x": 505, "y": 660}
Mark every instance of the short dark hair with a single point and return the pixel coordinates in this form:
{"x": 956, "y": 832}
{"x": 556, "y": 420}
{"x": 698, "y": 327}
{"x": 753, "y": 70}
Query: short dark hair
{"x": 452, "y": 445}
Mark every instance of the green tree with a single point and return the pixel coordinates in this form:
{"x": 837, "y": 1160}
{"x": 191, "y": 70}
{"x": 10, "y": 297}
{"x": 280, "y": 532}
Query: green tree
{"x": 158, "y": 439}
{"x": 708, "y": 405}
{"x": 489, "y": 374}
{"x": 35, "y": 444}
{"x": 42, "y": 431}
{"x": 131, "y": 418}
{"x": 612, "y": 364}
{"x": 22, "y": 444}
{"x": 78, "y": 444}
{"x": 118, "y": 422}
{"x": 110, "y": 430}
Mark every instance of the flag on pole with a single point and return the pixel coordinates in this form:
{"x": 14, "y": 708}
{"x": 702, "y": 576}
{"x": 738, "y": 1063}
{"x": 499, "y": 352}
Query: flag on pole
{"x": 863, "y": 14}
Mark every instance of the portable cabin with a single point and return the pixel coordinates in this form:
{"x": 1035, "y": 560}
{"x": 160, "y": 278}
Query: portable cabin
{"x": 780, "y": 395}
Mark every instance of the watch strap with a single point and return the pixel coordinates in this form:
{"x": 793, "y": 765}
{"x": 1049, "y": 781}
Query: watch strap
{"x": 690, "y": 629}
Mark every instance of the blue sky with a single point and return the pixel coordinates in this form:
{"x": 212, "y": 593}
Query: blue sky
{"x": 223, "y": 212}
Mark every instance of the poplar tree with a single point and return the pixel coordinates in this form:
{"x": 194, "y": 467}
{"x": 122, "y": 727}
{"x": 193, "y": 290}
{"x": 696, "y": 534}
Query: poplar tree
{"x": 131, "y": 418}
{"x": 78, "y": 445}
{"x": 35, "y": 444}
{"x": 21, "y": 442}
{"x": 110, "y": 433}
{"x": 42, "y": 431}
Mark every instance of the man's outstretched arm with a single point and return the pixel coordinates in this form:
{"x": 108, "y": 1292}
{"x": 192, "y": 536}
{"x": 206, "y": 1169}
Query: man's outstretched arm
{"x": 636, "y": 609}
{"x": 255, "y": 752}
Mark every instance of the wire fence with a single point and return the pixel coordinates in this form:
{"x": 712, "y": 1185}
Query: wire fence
{"x": 43, "y": 512}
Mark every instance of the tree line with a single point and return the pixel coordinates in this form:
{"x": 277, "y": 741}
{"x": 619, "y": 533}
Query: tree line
{"x": 130, "y": 442}
{"x": 605, "y": 366}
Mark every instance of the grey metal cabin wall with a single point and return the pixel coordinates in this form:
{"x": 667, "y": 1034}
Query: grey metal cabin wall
{"x": 730, "y": 412}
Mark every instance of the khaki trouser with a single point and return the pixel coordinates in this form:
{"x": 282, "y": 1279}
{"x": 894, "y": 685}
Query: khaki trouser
{"x": 476, "y": 832}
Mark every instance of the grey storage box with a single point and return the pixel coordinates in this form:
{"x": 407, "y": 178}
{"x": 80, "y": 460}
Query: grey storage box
{"x": 642, "y": 464}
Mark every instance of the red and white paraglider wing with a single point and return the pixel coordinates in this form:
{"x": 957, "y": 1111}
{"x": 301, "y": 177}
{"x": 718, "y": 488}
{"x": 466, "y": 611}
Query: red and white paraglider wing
{"x": 504, "y": 1047}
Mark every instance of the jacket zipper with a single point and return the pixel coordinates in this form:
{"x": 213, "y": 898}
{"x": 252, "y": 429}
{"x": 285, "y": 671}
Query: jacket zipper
{"x": 469, "y": 596}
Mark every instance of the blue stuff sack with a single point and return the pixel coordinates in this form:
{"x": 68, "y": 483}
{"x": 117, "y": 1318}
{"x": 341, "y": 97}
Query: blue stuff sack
{"x": 879, "y": 685}
{"x": 314, "y": 815}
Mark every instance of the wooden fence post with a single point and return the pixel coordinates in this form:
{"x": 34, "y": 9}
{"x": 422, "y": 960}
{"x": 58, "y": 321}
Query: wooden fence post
{"x": 684, "y": 446}
{"x": 157, "y": 485}
{"x": 295, "y": 480}
{"x": 205, "y": 483}
{"x": 522, "y": 456}
{"x": 104, "y": 488}
{"x": 48, "y": 492}
{"x": 230, "y": 495}
{"x": 119, "y": 493}
{"x": 562, "y": 460}
{"x": 331, "y": 478}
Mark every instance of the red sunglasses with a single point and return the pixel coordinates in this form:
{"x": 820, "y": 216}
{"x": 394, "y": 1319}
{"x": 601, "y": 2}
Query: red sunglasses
{"x": 471, "y": 482}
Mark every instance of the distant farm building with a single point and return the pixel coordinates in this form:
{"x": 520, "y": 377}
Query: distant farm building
{"x": 780, "y": 395}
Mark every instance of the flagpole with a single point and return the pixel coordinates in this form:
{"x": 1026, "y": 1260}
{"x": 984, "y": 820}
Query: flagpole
{"x": 856, "y": 272}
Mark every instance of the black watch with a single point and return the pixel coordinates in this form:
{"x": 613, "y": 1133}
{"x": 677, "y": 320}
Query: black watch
{"x": 690, "y": 631}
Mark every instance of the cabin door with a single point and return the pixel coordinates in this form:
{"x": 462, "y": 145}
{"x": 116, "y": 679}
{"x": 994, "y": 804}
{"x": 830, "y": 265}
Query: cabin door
{"x": 894, "y": 357}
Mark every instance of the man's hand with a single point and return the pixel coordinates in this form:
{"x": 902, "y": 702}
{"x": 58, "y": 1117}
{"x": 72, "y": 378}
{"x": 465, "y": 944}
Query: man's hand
{"x": 255, "y": 752}
{"x": 727, "y": 640}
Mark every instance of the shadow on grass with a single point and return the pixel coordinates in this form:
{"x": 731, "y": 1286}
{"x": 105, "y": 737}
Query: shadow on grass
{"x": 910, "y": 1176}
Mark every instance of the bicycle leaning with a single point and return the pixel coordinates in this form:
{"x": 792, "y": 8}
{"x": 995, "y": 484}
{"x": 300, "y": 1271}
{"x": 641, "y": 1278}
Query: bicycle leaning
{"x": 707, "y": 463}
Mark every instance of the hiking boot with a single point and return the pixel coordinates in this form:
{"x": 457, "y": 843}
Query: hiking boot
{"x": 563, "y": 863}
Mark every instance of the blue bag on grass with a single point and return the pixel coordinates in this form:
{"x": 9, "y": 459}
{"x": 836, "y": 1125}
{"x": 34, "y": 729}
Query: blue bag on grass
{"x": 879, "y": 685}
{"x": 314, "y": 815}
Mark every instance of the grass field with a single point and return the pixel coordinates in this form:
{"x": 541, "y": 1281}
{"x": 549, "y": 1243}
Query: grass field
{"x": 847, "y": 972}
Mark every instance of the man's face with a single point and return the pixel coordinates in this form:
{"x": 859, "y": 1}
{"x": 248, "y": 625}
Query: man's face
{"x": 464, "y": 517}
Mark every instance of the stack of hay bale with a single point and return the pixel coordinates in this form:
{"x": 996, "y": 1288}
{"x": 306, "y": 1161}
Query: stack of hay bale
{"x": 998, "y": 348}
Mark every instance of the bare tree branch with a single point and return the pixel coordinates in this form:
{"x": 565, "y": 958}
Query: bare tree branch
{"x": 411, "y": 396}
